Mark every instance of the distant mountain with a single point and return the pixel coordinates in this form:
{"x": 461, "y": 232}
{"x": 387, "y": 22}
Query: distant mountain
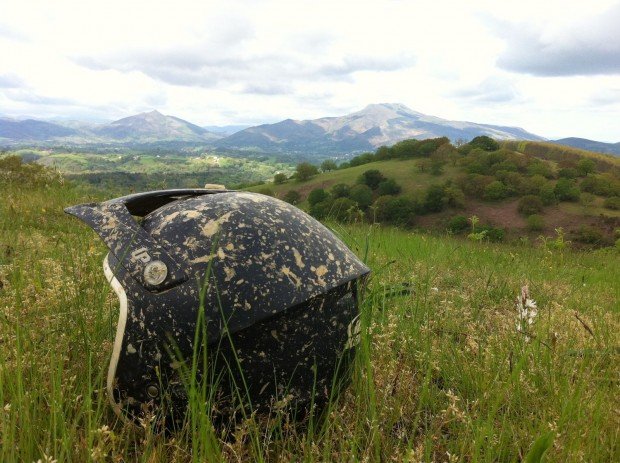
{"x": 365, "y": 130}
{"x": 590, "y": 145}
{"x": 154, "y": 126}
{"x": 225, "y": 130}
{"x": 375, "y": 125}
{"x": 31, "y": 129}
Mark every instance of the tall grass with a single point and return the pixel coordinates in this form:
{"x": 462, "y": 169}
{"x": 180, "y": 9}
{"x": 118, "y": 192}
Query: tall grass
{"x": 441, "y": 372}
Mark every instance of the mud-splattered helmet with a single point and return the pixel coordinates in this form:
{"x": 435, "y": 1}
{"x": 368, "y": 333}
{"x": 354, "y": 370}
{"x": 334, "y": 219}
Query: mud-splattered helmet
{"x": 259, "y": 288}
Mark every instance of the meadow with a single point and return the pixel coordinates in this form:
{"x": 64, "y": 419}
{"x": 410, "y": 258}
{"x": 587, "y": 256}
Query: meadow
{"x": 442, "y": 372}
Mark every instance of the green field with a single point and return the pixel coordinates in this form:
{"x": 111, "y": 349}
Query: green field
{"x": 442, "y": 373}
{"x": 404, "y": 172}
{"x": 125, "y": 169}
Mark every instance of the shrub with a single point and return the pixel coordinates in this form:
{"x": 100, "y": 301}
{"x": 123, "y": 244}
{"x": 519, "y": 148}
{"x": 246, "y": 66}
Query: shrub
{"x": 535, "y": 222}
{"x": 390, "y": 209}
{"x": 538, "y": 167}
{"x": 14, "y": 170}
{"x": 268, "y": 191}
{"x": 322, "y": 209}
{"x": 474, "y": 184}
{"x": 434, "y": 200}
{"x": 529, "y": 205}
{"x": 494, "y": 234}
{"x": 340, "y": 190}
{"x": 454, "y": 197}
{"x": 292, "y": 197}
{"x": 532, "y": 185}
{"x": 305, "y": 170}
{"x": 316, "y": 196}
{"x": 388, "y": 187}
{"x": 372, "y": 178}
{"x": 587, "y": 199}
{"x": 547, "y": 194}
{"x": 514, "y": 181}
{"x": 495, "y": 191}
{"x": 458, "y": 224}
{"x": 603, "y": 185}
{"x": 587, "y": 234}
{"x": 340, "y": 209}
{"x": 436, "y": 166}
{"x": 566, "y": 190}
{"x": 568, "y": 172}
{"x": 362, "y": 195}
{"x": 612, "y": 203}
{"x": 279, "y": 178}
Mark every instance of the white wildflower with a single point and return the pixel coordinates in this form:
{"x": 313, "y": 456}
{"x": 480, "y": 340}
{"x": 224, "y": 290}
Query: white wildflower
{"x": 527, "y": 311}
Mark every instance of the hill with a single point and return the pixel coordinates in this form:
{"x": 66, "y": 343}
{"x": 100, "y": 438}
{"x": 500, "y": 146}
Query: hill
{"x": 433, "y": 185}
{"x": 590, "y": 145}
{"x": 30, "y": 129}
{"x": 373, "y": 126}
{"x": 445, "y": 354}
{"x": 154, "y": 126}
{"x": 145, "y": 128}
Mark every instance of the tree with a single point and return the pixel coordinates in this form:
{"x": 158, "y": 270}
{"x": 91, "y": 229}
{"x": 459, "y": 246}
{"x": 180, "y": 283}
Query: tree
{"x": 340, "y": 190}
{"x": 317, "y": 195}
{"x": 388, "y": 187}
{"x": 585, "y": 166}
{"x": 328, "y": 165}
{"x": 485, "y": 143}
{"x": 279, "y": 178}
{"x": 304, "y": 171}
{"x": 292, "y": 197}
{"x": 423, "y": 164}
{"x": 372, "y": 178}
{"x": 362, "y": 195}
{"x": 434, "y": 200}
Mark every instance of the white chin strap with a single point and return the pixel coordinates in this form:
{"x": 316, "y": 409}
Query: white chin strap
{"x": 120, "y": 332}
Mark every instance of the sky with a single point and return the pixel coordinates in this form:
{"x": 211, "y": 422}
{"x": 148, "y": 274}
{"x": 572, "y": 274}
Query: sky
{"x": 551, "y": 67}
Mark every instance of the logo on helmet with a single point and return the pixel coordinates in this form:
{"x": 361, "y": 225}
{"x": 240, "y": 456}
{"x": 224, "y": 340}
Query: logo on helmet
{"x": 142, "y": 255}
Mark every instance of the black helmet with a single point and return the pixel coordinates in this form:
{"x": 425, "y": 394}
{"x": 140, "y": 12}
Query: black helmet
{"x": 275, "y": 294}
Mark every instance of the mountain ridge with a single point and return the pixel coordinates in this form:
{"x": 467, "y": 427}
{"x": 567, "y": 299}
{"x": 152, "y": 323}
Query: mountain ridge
{"x": 590, "y": 145}
{"x": 375, "y": 125}
{"x": 364, "y": 130}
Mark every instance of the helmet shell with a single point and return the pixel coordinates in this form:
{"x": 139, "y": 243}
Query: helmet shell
{"x": 270, "y": 298}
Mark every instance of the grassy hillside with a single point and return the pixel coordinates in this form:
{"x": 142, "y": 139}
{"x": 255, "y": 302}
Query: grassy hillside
{"x": 442, "y": 374}
{"x": 575, "y": 190}
{"x": 125, "y": 169}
